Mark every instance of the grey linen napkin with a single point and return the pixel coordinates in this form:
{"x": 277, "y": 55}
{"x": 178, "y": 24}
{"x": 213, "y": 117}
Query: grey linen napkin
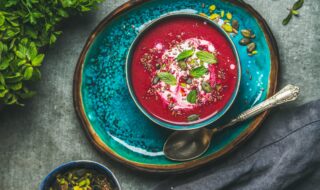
{"x": 283, "y": 154}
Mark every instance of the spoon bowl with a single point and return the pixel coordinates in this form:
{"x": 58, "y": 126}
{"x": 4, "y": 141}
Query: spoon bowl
{"x": 188, "y": 145}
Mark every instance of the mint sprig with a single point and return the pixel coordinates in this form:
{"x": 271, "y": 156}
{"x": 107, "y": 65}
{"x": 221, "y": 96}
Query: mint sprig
{"x": 168, "y": 78}
{"x": 192, "y": 96}
{"x": 207, "y": 57}
{"x": 293, "y": 11}
{"x": 185, "y": 54}
{"x": 198, "y": 72}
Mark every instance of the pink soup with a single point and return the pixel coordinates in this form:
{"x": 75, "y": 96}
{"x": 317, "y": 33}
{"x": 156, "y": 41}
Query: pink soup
{"x": 183, "y": 70}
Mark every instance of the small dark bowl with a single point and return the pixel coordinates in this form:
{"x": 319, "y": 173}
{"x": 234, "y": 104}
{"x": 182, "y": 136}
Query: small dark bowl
{"x": 80, "y": 164}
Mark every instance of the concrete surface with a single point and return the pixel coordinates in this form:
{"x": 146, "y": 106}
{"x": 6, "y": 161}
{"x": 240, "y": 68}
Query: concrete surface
{"x": 37, "y": 138}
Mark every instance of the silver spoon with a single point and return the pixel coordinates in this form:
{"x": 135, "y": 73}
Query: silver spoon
{"x": 188, "y": 145}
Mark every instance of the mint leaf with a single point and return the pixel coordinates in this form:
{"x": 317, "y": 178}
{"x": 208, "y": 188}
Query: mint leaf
{"x": 2, "y": 81}
{"x": 4, "y": 64}
{"x": 198, "y": 72}
{"x": 16, "y": 86}
{"x": 185, "y": 54}
{"x": 168, "y": 78}
{"x": 287, "y": 19}
{"x": 28, "y": 73}
{"x": 3, "y": 93}
{"x": 207, "y": 57}
{"x": 298, "y": 5}
{"x": 2, "y": 19}
{"x": 36, "y": 62}
{"x": 192, "y": 97}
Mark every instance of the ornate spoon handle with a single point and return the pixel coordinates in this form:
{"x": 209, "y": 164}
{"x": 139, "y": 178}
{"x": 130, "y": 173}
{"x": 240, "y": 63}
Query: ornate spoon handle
{"x": 287, "y": 94}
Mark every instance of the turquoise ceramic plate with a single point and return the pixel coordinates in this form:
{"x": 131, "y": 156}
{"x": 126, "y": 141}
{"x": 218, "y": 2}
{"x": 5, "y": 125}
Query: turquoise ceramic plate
{"x": 110, "y": 117}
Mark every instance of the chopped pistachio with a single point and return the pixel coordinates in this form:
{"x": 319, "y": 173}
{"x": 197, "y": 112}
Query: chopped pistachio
{"x": 214, "y": 16}
{"x": 227, "y": 27}
{"x": 218, "y": 87}
{"x": 206, "y": 87}
{"x": 189, "y": 81}
{"x": 229, "y": 16}
{"x": 244, "y": 41}
{"x": 82, "y": 183}
{"x": 183, "y": 66}
{"x": 212, "y": 8}
{"x": 251, "y": 47}
{"x": 155, "y": 80}
{"x": 222, "y": 13}
{"x": 193, "y": 117}
{"x": 253, "y": 53}
{"x": 203, "y": 14}
{"x": 235, "y": 24}
{"x": 246, "y": 33}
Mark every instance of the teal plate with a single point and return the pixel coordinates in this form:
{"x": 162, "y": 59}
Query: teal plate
{"x": 110, "y": 117}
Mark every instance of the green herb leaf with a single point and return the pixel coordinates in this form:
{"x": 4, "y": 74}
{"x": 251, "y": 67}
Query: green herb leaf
{"x": 28, "y": 73}
{"x": 2, "y": 87}
{"x": 11, "y": 99}
{"x": 22, "y": 62}
{"x": 2, "y": 19}
{"x": 3, "y": 93}
{"x": 16, "y": 86}
{"x": 298, "y": 5}
{"x": 1, "y": 48}
{"x": 14, "y": 78}
{"x": 192, "y": 96}
{"x": 198, "y": 72}
{"x": 193, "y": 117}
{"x": 2, "y": 81}
{"x": 53, "y": 39}
{"x": 20, "y": 55}
{"x": 85, "y": 9}
{"x": 32, "y": 52}
{"x": 168, "y": 78}
{"x": 36, "y": 74}
{"x": 4, "y": 64}
{"x": 287, "y": 19}
{"x": 185, "y": 54}
{"x": 28, "y": 94}
{"x": 26, "y": 27}
{"x": 36, "y": 62}
{"x": 207, "y": 57}
{"x": 63, "y": 13}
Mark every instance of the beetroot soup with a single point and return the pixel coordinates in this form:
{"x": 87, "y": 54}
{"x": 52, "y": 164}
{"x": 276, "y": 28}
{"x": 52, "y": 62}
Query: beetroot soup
{"x": 183, "y": 69}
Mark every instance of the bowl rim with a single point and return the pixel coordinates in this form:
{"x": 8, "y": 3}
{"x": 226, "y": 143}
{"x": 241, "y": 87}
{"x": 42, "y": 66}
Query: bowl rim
{"x": 75, "y": 164}
{"x": 195, "y": 124}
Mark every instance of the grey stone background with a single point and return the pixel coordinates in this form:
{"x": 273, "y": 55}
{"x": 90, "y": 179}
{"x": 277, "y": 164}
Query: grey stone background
{"x": 46, "y": 132}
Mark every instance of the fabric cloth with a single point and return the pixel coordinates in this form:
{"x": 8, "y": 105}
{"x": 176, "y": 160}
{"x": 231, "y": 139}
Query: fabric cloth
{"x": 283, "y": 154}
